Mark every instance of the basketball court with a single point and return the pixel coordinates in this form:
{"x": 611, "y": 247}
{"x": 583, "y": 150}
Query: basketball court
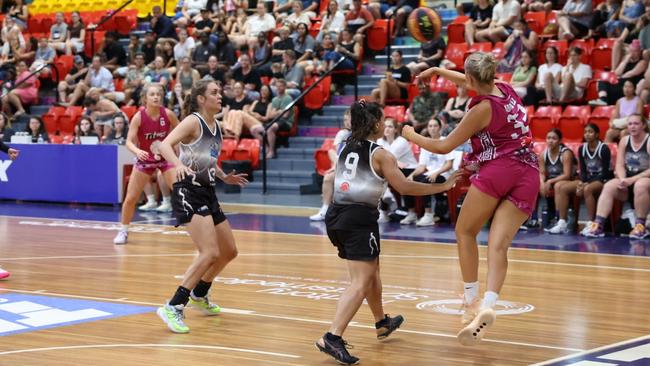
{"x": 75, "y": 298}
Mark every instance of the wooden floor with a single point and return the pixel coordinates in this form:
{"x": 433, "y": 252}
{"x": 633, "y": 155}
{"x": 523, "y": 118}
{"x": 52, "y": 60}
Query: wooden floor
{"x": 279, "y": 297}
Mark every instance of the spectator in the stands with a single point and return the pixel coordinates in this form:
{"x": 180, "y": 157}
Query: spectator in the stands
{"x": 133, "y": 81}
{"x": 58, "y": 33}
{"x": 74, "y": 43}
{"x": 134, "y": 47}
{"x": 97, "y": 77}
{"x": 84, "y": 128}
{"x": 102, "y": 111}
{"x": 292, "y": 73}
{"x": 523, "y": 79}
{"x": 36, "y": 129}
{"x": 9, "y": 27}
{"x": 25, "y": 92}
{"x": 333, "y": 21}
{"x": 424, "y": 106}
{"x": 235, "y": 117}
{"x": 12, "y": 51}
{"x": 551, "y": 68}
{"x": 166, "y": 51}
{"x": 75, "y": 76}
{"x": 349, "y": 46}
{"x": 480, "y": 17}
{"x": 537, "y": 5}
{"x": 521, "y": 39}
{"x": 190, "y": 11}
{"x": 284, "y": 123}
{"x": 281, "y": 44}
{"x": 161, "y": 25}
{"x": 113, "y": 52}
{"x": 20, "y": 13}
{"x": 396, "y": 83}
{"x": 149, "y": 47}
{"x": 569, "y": 84}
{"x": 504, "y": 15}
{"x": 455, "y": 109}
{"x": 203, "y": 23}
{"x": 304, "y": 44}
{"x": 432, "y": 168}
{"x": 120, "y": 131}
{"x": 297, "y": 16}
{"x": 261, "y": 51}
{"x": 627, "y": 17}
{"x": 260, "y": 22}
{"x": 225, "y": 51}
{"x": 184, "y": 47}
{"x": 176, "y": 100}
{"x": 400, "y": 12}
{"x": 186, "y": 75}
{"x": 574, "y": 19}
{"x": 603, "y": 14}
{"x": 259, "y": 108}
{"x": 359, "y": 19}
{"x": 44, "y": 56}
{"x": 628, "y": 105}
{"x": 632, "y": 68}
{"x": 5, "y": 128}
{"x": 158, "y": 74}
{"x": 248, "y": 76}
{"x": 202, "y": 52}
{"x": 431, "y": 53}
{"x": 214, "y": 71}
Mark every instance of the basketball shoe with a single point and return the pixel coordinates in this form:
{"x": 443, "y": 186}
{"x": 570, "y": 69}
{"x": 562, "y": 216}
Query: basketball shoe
{"x": 337, "y": 348}
{"x": 595, "y": 231}
{"x": 173, "y": 316}
{"x": 639, "y": 232}
{"x": 475, "y": 331}
{"x": 388, "y": 325}
{"x": 4, "y": 274}
{"x": 121, "y": 237}
{"x": 469, "y": 310}
{"x": 204, "y": 305}
{"x": 149, "y": 206}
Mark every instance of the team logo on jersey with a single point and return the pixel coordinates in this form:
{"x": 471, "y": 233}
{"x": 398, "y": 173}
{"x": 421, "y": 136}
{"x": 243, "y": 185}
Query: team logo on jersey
{"x": 344, "y": 187}
{"x": 214, "y": 151}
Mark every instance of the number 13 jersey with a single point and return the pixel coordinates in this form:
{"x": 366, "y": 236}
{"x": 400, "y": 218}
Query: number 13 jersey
{"x": 202, "y": 154}
{"x": 356, "y": 181}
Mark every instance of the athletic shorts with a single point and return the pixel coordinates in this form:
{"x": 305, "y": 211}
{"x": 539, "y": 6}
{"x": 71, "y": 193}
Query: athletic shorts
{"x": 509, "y": 179}
{"x": 188, "y": 200}
{"x": 356, "y": 245}
{"x": 150, "y": 167}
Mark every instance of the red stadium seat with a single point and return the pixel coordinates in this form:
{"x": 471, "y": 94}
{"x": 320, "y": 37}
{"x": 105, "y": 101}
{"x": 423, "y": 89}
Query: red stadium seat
{"x": 321, "y": 156}
{"x": 378, "y": 34}
{"x": 397, "y": 112}
{"x": 456, "y": 30}
{"x": 505, "y": 77}
{"x": 69, "y": 119}
{"x": 499, "y": 50}
{"x": 227, "y": 148}
{"x": 601, "y": 55}
{"x": 586, "y": 46}
{"x": 572, "y": 122}
{"x": 544, "y": 119}
{"x": 600, "y": 117}
{"x": 536, "y": 20}
{"x": 442, "y": 85}
{"x": 456, "y": 54}
{"x": 561, "y": 46}
{"x": 51, "y": 119}
{"x": 248, "y": 149}
{"x": 129, "y": 110}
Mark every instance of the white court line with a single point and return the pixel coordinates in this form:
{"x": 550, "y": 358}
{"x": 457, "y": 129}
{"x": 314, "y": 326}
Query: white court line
{"x": 323, "y": 236}
{"x": 304, "y": 320}
{"x": 582, "y": 353}
{"x": 149, "y": 345}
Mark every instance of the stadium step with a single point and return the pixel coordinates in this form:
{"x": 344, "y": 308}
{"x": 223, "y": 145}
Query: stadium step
{"x": 279, "y": 176}
{"x": 306, "y": 142}
{"x": 317, "y": 131}
{"x": 273, "y": 188}
{"x": 290, "y": 164}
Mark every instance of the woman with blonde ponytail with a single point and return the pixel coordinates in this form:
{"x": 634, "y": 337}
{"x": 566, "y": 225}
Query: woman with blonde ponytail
{"x": 497, "y": 125}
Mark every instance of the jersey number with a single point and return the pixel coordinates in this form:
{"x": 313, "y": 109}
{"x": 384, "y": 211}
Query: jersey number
{"x": 351, "y": 162}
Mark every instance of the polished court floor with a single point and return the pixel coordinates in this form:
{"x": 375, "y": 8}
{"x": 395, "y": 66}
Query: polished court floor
{"x": 74, "y": 298}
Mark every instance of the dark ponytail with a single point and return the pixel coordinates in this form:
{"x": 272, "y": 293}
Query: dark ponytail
{"x": 364, "y": 117}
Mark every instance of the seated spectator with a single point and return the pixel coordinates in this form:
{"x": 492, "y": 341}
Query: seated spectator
{"x": 98, "y": 79}
{"x": 318, "y": 64}
{"x": 261, "y": 51}
{"x": 575, "y": 19}
{"x": 190, "y": 12}
{"x": 161, "y": 25}
{"x": 349, "y": 47}
{"x": 521, "y": 39}
{"x": 333, "y": 21}
{"x": 149, "y": 48}
{"x": 328, "y": 178}
{"x": 259, "y": 108}
{"x": 304, "y": 44}
{"x": 594, "y": 157}
{"x": 36, "y": 129}
{"x": 455, "y": 109}
{"x": 186, "y": 75}
{"x": 8, "y": 27}
{"x": 628, "y": 15}
{"x": 260, "y": 22}
{"x": 285, "y": 123}
{"x": 203, "y": 23}
{"x": 225, "y": 51}
{"x": 44, "y": 56}
{"x": 236, "y": 118}
{"x": 401, "y": 10}
{"x": 248, "y": 76}
{"x": 202, "y": 52}
{"x": 401, "y": 149}
{"x": 84, "y": 128}
{"x": 184, "y": 47}
{"x": 537, "y": 5}
{"x": 424, "y": 106}
{"x": 74, "y": 43}
{"x": 628, "y": 105}
{"x": 358, "y": 19}
{"x": 25, "y": 92}
{"x": 166, "y": 51}
{"x": 120, "y": 131}
{"x": 432, "y": 168}
{"x": 297, "y": 16}
{"x": 571, "y": 82}
{"x": 176, "y": 100}
{"x": 431, "y": 53}
{"x": 136, "y": 74}
{"x": 605, "y": 12}
{"x": 631, "y": 68}
{"x": 113, "y": 52}
{"x": 214, "y": 71}
{"x": 75, "y": 76}
{"x": 504, "y": 15}
{"x": 281, "y": 9}
{"x": 550, "y": 69}
{"x": 480, "y": 17}
{"x": 102, "y": 111}
{"x": 158, "y": 74}
{"x": 11, "y": 52}
{"x": 292, "y": 74}
{"x": 523, "y": 79}
{"x": 281, "y": 44}
{"x": 396, "y": 83}
{"x": 5, "y": 128}
{"x": 20, "y": 13}
{"x": 235, "y": 24}
{"x": 632, "y": 180}
{"x": 58, "y": 33}
{"x": 556, "y": 164}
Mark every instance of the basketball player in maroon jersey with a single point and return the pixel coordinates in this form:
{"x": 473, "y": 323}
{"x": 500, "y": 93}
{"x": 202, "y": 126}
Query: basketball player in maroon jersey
{"x": 13, "y": 154}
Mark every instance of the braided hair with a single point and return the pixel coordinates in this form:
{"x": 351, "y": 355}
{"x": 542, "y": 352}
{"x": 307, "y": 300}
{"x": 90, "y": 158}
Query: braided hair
{"x": 364, "y": 118}
{"x": 191, "y": 101}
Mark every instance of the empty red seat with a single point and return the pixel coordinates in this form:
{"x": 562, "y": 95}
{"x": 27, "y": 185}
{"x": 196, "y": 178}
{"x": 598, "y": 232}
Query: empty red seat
{"x": 544, "y": 119}
{"x": 321, "y": 157}
{"x": 397, "y": 112}
{"x": 442, "y": 85}
{"x": 51, "y": 119}
{"x": 248, "y": 149}
{"x": 456, "y": 54}
{"x": 227, "y": 148}
{"x": 378, "y": 34}
{"x": 600, "y": 116}
{"x": 129, "y": 111}
{"x": 69, "y": 119}
{"x": 572, "y": 122}
{"x": 536, "y": 20}
{"x": 499, "y": 50}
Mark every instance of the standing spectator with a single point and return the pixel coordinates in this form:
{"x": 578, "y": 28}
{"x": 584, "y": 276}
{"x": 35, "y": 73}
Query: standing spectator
{"x": 285, "y": 123}
{"x": 161, "y": 25}
{"x": 202, "y": 52}
{"x": 521, "y": 39}
{"x": 25, "y": 92}
{"x": 74, "y": 77}
{"x": 628, "y": 105}
{"x": 359, "y": 19}
{"x": 479, "y": 18}
{"x": 396, "y": 83}
{"x": 5, "y": 128}
{"x": 431, "y": 53}
{"x": 113, "y": 52}
{"x": 425, "y": 105}
{"x": 571, "y": 82}
{"x": 58, "y": 32}
{"x": 504, "y": 15}
{"x": 98, "y": 77}
{"x": 76, "y": 36}
{"x": 36, "y": 129}
{"x": 524, "y": 76}
{"x": 575, "y": 19}
{"x": 550, "y": 69}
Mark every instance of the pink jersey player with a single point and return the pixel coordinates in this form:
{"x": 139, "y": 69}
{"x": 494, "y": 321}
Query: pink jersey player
{"x": 150, "y": 134}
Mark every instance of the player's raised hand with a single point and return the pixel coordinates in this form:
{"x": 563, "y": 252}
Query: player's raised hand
{"x": 408, "y": 132}
{"x": 236, "y": 179}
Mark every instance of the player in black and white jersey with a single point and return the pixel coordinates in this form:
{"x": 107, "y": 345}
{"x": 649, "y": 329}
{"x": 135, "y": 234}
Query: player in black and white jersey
{"x": 362, "y": 171}
{"x": 195, "y": 203}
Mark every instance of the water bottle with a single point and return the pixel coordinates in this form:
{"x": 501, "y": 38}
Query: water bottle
{"x": 40, "y": 139}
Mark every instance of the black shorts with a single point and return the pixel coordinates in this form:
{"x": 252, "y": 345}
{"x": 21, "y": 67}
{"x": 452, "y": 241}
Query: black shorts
{"x": 356, "y": 245}
{"x": 188, "y": 200}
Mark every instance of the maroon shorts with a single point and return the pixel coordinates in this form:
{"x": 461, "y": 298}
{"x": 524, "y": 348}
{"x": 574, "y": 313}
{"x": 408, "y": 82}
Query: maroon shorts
{"x": 150, "y": 167}
{"x": 509, "y": 179}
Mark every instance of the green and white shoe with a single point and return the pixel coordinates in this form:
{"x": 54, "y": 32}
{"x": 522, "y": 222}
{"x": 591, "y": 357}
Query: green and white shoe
{"x": 173, "y": 316}
{"x": 204, "y": 305}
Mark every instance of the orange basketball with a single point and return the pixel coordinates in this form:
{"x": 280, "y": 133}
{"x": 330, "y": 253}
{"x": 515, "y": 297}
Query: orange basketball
{"x": 424, "y": 24}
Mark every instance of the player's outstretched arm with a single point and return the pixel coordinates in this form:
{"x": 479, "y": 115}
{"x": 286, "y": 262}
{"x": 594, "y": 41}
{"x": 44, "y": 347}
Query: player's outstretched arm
{"x": 453, "y": 76}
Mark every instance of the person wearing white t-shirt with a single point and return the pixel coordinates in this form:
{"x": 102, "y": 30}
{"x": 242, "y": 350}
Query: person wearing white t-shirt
{"x": 260, "y": 22}
{"x": 403, "y": 152}
{"x": 547, "y": 70}
{"x": 184, "y": 47}
{"x": 504, "y": 14}
{"x": 432, "y": 168}
{"x": 571, "y": 82}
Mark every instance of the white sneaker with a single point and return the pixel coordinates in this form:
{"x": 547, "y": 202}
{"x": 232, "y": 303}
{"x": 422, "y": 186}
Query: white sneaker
{"x": 426, "y": 220}
{"x": 165, "y": 206}
{"x": 473, "y": 333}
{"x": 584, "y": 230}
{"x": 411, "y": 218}
{"x": 149, "y": 206}
{"x": 320, "y": 216}
{"x": 559, "y": 228}
{"x": 383, "y": 217}
{"x": 121, "y": 237}
{"x": 4, "y": 274}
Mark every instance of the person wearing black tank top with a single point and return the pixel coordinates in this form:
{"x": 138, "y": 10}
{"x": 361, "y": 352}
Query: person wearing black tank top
{"x": 632, "y": 180}
{"x": 362, "y": 170}
{"x": 195, "y": 203}
{"x": 556, "y": 167}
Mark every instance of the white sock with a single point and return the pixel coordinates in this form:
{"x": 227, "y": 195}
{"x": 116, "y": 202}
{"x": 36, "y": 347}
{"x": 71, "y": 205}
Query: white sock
{"x": 471, "y": 291}
{"x": 125, "y": 227}
{"x": 324, "y": 208}
{"x": 151, "y": 198}
{"x": 167, "y": 199}
{"x": 489, "y": 300}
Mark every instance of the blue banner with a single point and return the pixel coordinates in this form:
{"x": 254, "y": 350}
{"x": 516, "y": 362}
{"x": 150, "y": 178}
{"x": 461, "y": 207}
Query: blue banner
{"x": 61, "y": 173}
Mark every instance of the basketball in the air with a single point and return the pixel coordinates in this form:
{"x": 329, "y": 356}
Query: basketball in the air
{"x": 424, "y": 24}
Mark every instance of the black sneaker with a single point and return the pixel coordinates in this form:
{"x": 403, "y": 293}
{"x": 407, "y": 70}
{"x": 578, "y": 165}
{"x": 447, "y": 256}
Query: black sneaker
{"x": 388, "y": 325}
{"x": 337, "y": 349}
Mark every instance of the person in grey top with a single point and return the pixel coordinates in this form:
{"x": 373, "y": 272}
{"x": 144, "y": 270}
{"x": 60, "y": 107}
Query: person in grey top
{"x": 195, "y": 203}
{"x": 58, "y": 33}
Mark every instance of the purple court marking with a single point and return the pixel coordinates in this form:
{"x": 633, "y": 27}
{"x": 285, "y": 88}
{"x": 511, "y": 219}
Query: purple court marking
{"x": 635, "y": 352}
